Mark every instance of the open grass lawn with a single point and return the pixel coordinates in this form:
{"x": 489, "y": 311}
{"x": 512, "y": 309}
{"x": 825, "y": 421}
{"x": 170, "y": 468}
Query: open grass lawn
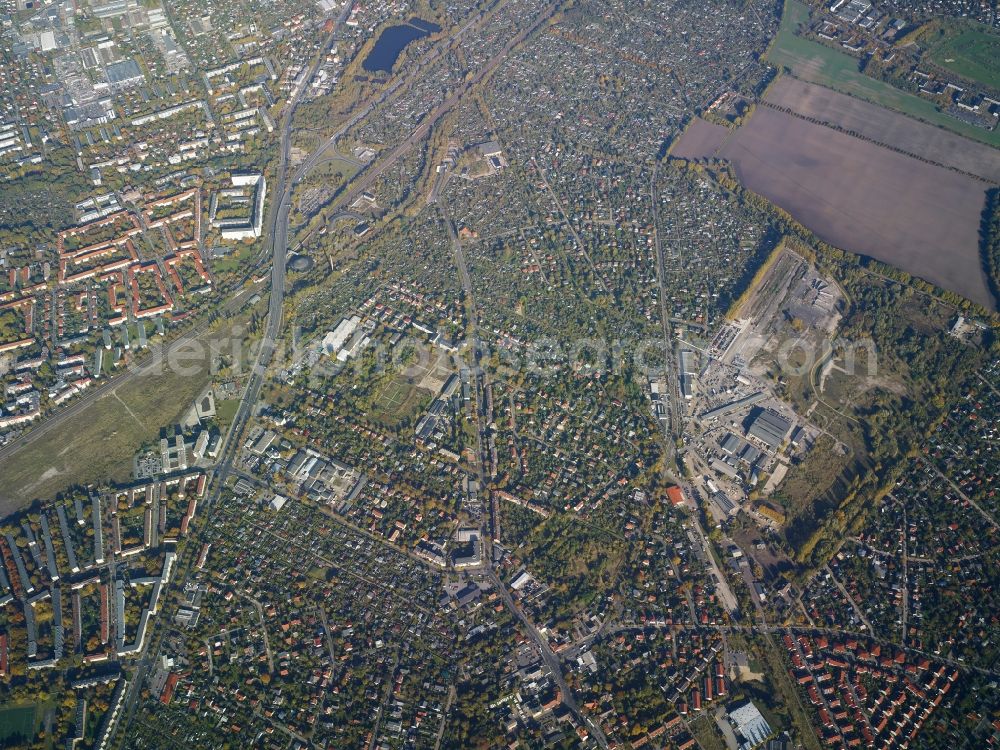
{"x": 97, "y": 443}
{"x": 17, "y": 725}
{"x": 225, "y": 410}
{"x": 973, "y": 53}
{"x": 837, "y": 70}
{"x": 234, "y": 259}
{"x": 331, "y": 172}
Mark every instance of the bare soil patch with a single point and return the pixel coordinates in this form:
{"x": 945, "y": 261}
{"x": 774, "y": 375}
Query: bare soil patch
{"x": 701, "y": 140}
{"x": 861, "y": 197}
{"x": 885, "y": 126}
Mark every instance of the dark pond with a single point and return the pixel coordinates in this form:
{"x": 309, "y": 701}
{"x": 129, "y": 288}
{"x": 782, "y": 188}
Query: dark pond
{"x": 393, "y": 41}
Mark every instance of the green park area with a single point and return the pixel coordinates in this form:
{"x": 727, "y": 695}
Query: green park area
{"x": 11, "y": 326}
{"x": 817, "y": 63}
{"x": 970, "y": 52}
{"x": 96, "y": 443}
{"x": 331, "y": 172}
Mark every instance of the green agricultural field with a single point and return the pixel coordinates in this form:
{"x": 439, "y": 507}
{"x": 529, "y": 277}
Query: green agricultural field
{"x": 817, "y": 63}
{"x": 17, "y": 725}
{"x": 971, "y": 53}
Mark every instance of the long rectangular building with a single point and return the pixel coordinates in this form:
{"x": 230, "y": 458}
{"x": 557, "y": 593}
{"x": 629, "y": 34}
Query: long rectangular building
{"x": 770, "y": 428}
{"x": 725, "y": 409}
{"x": 22, "y": 572}
{"x": 98, "y": 532}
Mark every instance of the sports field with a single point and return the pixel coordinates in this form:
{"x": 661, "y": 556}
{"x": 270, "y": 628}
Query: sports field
{"x": 17, "y": 725}
{"x": 401, "y": 395}
{"x": 971, "y": 53}
{"x": 837, "y": 70}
